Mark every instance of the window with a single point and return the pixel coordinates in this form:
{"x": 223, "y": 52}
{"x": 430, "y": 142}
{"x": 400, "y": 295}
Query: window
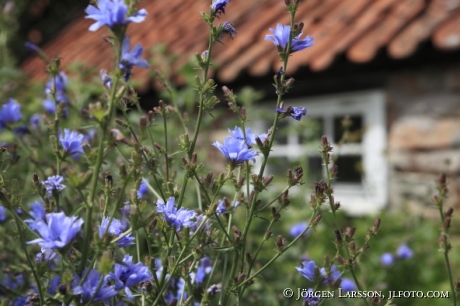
{"x": 361, "y": 184}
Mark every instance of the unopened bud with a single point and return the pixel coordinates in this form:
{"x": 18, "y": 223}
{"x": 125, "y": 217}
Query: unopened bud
{"x": 338, "y": 237}
{"x": 208, "y": 178}
{"x": 317, "y": 218}
{"x": 243, "y": 113}
{"x": 350, "y": 231}
{"x": 442, "y": 179}
{"x": 446, "y": 223}
{"x": 236, "y": 231}
{"x": 268, "y": 180}
{"x": 276, "y": 216}
{"x": 194, "y": 158}
{"x": 449, "y": 212}
{"x": 280, "y": 241}
{"x": 249, "y": 258}
{"x": 334, "y": 170}
{"x": 377, "y": 224}
{"x": 352, "y": 246}
{"x": 268, "y": 235}
{"x": 341, "y": 260}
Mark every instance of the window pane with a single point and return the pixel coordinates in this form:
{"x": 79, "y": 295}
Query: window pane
{"x": 350, "y": 169}
{"x": 314, "y": 170}
{"x": 355, "y": 129}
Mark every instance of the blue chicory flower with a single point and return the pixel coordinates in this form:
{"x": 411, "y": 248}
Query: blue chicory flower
{"x": 132, "y": 58}
{"x": 128, "y": 274}
{"x": 31, "y": 46}
{"x": 2, "y": 213}
{"x": 387, "y": 259}
{"x": 53, "y": 284}
{"x": 21, "y": 301}
{"x": 404, "y": 252}
{"x": 294, "y": 112}
{"x": 53, "y": 183}
{"x": 34, "y": 121}
{"x": 72, "y": 143}
{"x": 38, "y": 213}
{"x": 281, "y": 35}
{"x": 250, "y": 137}
{"x": 11, "y": 281}
{"x": 57, "y": 230}
{"x": 115, "y": 229}
{"x": 47, "y": 256}
{"x": 10, "y": 113}
{"x": 142, "y": 191}
{"x": 199, "y": 220}
{"x": 297, "y": 229}
{"x": 311, "y": 297}
{"x": 59, "y": 83}
{"x": 218, "y": 6}
{"x": 105, "y": 78}
{"x": 89, "y": 287}
{"x": 176, "y": 290}
{"x": 221, "y": 208}
{"x": 235, "y": 151}
{"x": 333, "y": 276}
{"x": 348, "y": 284}
{"x": 213, "y": 289}
{"x": 112, "y": 13}
{"x": 307, "y": 270}
{"x": 229, "y": 29}
{"x": 203, "y": 269}
{"x": 175, "y": 217}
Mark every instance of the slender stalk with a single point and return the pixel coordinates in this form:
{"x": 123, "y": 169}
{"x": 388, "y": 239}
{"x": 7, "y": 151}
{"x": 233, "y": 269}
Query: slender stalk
{"x": 95, "y": 176}
{"x": 164, "y": 285}
{"x": 280, "y": 252}
{"x": 166, "y": 146}
{"x": 444, "y": 233}
{"x": 272, "y": 137}
{"x": 29, "y": 261}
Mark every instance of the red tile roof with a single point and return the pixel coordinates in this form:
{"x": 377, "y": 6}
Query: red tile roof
{"x": 358, "y": 28}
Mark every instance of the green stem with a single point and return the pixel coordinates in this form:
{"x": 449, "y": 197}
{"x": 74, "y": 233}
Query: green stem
{"x": 166, "y": 146}
{"x": 164, "y": 284}
{"x": 95, "y": 176}
{"x": 280, "y": 252}
{"x": 446, "y": 250}
{"x": 29, "y": 261}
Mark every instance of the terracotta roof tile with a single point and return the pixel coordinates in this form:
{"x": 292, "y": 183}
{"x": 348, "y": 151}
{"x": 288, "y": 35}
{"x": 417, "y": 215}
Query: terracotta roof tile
{"x": 447, "y": 36}
{"x": 365, "y": 48}
{"x": 358, "y": 28}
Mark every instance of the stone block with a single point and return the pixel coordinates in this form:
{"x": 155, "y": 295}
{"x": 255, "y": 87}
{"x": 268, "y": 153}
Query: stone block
{"x": 435, "y": 162}
{"x": 424, "y": 133}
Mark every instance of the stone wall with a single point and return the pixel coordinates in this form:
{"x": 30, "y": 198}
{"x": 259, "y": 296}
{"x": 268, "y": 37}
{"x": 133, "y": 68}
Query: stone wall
{"x": 424, "y": 135}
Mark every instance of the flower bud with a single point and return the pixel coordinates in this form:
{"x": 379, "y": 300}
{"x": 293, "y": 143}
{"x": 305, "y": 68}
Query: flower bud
{"x": 317, "y": 218}
{"x": 268, "y": 235}
{"x": 236, "y": 231}
{"x": 280, "y": 241}
{"x": 338, "y": 237}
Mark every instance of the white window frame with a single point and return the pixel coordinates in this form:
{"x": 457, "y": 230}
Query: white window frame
{"x": 371, "y": 195}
